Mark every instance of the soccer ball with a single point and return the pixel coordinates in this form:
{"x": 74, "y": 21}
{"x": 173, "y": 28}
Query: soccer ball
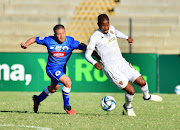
{"x": 177, "y": 89}
{"x": 108, "y": 103}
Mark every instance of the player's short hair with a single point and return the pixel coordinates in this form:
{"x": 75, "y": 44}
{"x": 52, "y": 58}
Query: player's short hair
{"x": 102, "y": 17}
{"x": 58, "y": 26}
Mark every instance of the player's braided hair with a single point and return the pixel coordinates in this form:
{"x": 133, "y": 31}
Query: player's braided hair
{"x": 58, "y": 26}
{"x": 102, "y": 17}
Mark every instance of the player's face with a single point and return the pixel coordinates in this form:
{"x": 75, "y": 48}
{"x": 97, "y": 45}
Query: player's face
{"x": 61, "y": 34}
{"x": 104, "y": 26}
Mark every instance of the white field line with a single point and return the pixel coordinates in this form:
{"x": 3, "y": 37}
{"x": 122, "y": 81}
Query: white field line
{"x": 35, "y": 127}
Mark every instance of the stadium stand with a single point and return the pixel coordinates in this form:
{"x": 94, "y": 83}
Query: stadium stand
{"x": 22, "y": 19}
{"x": 84, "y": 21}
{"x": 155, "y": 23}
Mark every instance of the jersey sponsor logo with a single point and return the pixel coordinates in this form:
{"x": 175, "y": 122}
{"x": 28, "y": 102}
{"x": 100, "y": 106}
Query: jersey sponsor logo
{"x": 58, "y": 48}
{"x": 65, "y": 48}
{"x": 57, "y": 73}
{"x": 59, "y": 54}
{"x": 41, "y": 38}
{"x": 110, "y": 40}
{"x": 51, "y": 47}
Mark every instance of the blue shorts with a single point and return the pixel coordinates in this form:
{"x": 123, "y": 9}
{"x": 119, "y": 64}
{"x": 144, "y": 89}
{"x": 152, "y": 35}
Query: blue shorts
{"x": 55, "y": 75}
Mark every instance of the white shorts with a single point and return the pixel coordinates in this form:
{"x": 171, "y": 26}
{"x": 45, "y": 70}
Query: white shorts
{"x": 121, "y": 72}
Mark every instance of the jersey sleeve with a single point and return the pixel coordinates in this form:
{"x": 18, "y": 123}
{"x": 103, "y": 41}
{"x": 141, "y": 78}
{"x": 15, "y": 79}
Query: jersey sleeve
{"x": 81, "y": 46}
{"x": 119, "y": 34}
{"x": 41, "y": 40}
{"x": 77, "y": 45}
{"x": 92, "y": 43}
{"x": 89, "y": 58}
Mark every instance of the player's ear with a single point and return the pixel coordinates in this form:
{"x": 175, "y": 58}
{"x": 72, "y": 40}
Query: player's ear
{"x": 57, "y": 40}
{"x": 98, "y": 24}
{"x": 55, "y": 36}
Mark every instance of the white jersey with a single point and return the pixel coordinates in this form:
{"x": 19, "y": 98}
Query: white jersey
{"x": 106, "y": 45}
{"x": 116, "y": 68}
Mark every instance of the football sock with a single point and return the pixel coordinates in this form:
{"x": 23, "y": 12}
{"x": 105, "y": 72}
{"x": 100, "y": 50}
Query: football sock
{"x": 65, "y": 94}
{"x": 43, "y": 95}
{"x": 128, "y": 100}
{"x": 145, "y": 91}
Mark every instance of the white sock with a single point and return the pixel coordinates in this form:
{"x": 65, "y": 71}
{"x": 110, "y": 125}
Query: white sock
{"x": 67, "y": 90}
{"x": 145, "y": 91}
{"x": 47, "y": 91}
{"x": 128, "y": 100}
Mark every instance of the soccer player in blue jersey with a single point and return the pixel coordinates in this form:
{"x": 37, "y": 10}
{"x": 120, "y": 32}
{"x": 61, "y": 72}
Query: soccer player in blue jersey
{"x": 59, "y": 48}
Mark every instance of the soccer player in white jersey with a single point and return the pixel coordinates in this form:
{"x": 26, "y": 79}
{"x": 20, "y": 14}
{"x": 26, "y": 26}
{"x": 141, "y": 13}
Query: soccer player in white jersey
{"x": 116, "y": 68}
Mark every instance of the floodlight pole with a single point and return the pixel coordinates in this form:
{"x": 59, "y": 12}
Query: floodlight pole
{"x": 130, "y": 34}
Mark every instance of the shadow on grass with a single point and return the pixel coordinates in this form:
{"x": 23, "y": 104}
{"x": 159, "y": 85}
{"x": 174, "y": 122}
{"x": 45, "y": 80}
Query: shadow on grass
{"x": 58, "y": 113}
{"x": 33, "y": 112}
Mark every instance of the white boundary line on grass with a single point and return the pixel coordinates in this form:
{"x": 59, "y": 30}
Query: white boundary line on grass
{"x": 35, "y": 127}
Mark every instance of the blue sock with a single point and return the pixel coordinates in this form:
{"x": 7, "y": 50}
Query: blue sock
{"x": 43, "y": 95}
{"x": 65, "y": 94}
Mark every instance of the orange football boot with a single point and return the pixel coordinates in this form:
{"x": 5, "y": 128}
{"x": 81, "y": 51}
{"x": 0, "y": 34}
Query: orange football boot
{"x": 69, "y": 110}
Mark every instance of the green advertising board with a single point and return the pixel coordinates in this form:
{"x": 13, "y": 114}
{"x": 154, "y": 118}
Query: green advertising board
{"x": 146, "y": 64}
{"x": 26, "y": 72}
{"x": 169, "y": 70}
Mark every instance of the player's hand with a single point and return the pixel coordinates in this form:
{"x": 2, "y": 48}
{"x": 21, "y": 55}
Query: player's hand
{"x": 98, "y": 66}
{"x": 130, "y": 40}
{"x": 23, "y": 45}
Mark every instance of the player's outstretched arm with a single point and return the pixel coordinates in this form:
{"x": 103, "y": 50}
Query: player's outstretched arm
{"x": 121, "y": 35}
{"x": 28, "y": 42}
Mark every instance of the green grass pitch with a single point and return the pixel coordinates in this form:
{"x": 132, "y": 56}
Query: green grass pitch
{"x": 16, "y": 112}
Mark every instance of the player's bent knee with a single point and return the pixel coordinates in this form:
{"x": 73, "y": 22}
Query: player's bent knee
{"x": 144, "y": 83}
{"x": 129, "y": 89}
{"x": 131, "y": 92}
{"x": 141, "y": 81}
{"x": 68, "y": 84}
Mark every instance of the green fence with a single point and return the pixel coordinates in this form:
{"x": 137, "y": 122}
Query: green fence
{"x": 26, "y": 72}
{"x": 169, "y": 73}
